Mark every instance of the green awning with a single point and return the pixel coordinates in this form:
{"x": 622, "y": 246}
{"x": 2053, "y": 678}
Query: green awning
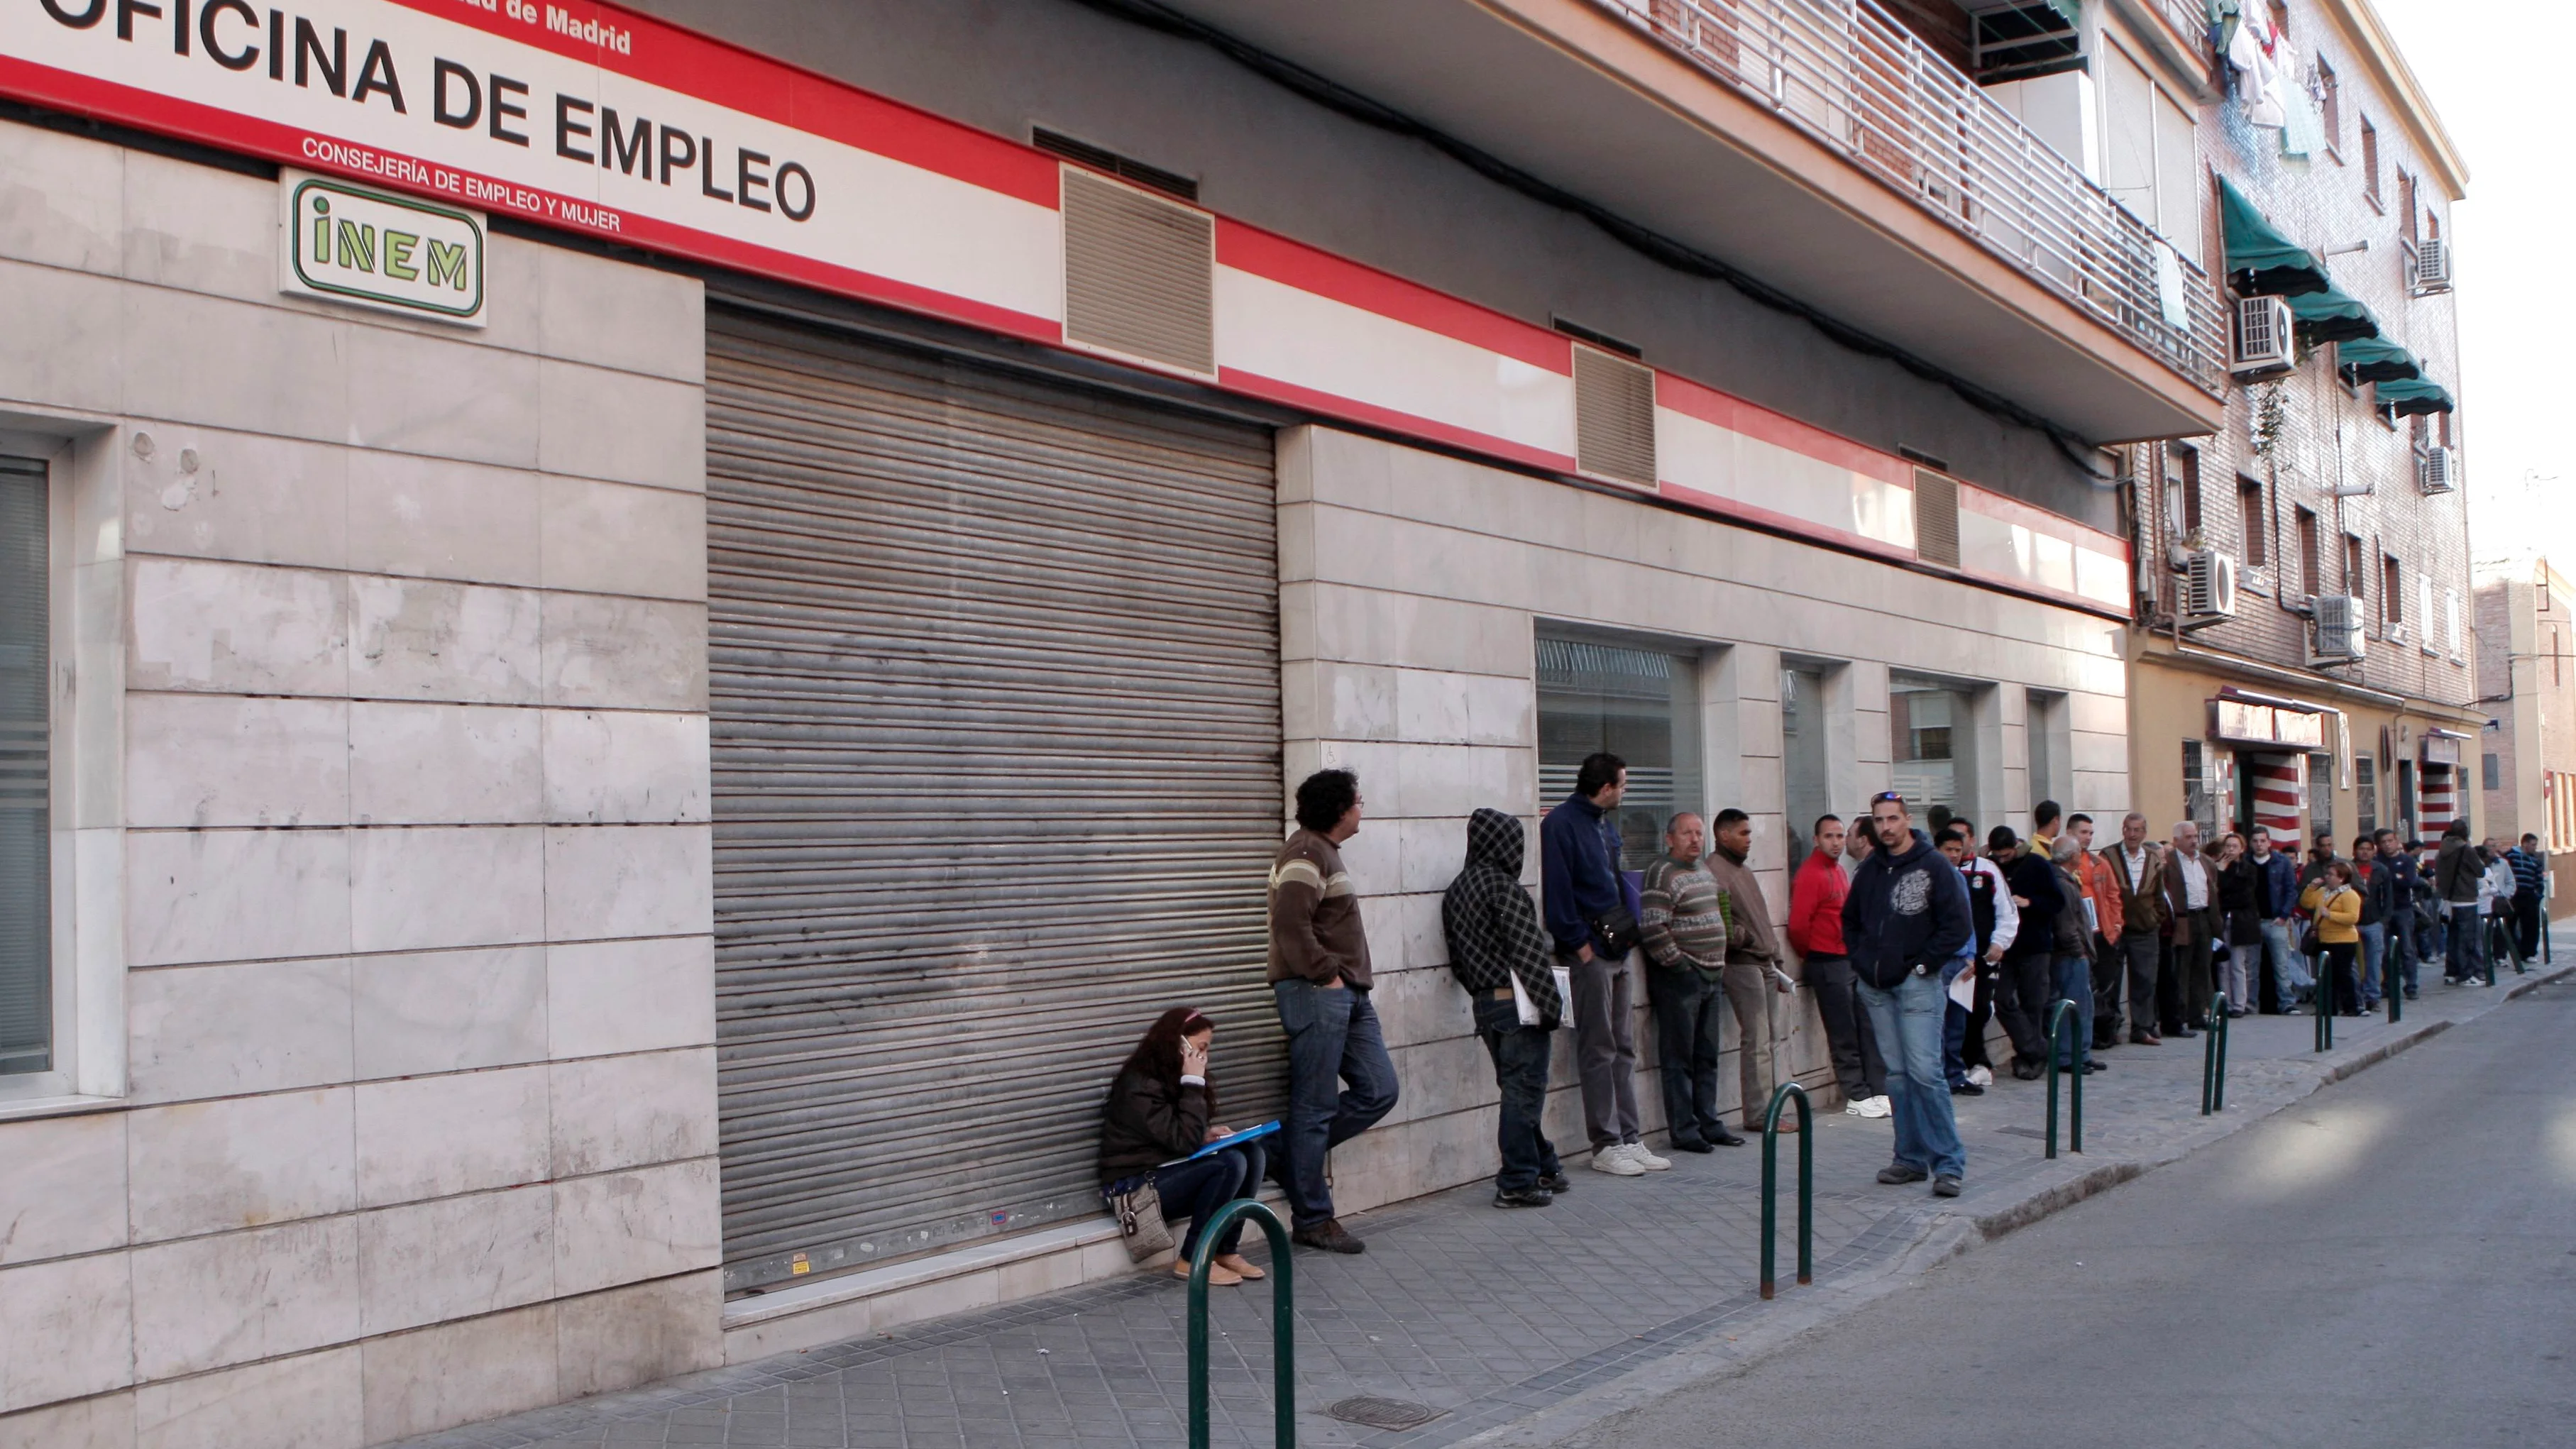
{"x": 2332, "y": 316}
{"x": 2072, "y": 11}
{"x": 2414, "y": 395}
{"x": 2260, "y": 260}
{"x": 2376, "y": 359}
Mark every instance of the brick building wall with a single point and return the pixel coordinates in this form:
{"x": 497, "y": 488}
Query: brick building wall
{"x": 2328, "y": 453}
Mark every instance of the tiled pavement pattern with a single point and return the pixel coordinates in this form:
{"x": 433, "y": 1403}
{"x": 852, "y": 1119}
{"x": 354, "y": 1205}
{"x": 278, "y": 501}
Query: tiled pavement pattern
{"x": 1485, "y": 1315}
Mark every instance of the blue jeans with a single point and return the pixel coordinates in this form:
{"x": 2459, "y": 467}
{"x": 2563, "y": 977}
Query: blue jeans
{"x": 1333, "y": 1037}
{"x": 2074, "y": 982}
{"x": 2374, "y": 949}
{"x": 1520, "y": 1070}
{"x": 2289, "y": 969}
{"x": 2468, "y": 943}
{"x": 2401, "y": 939}
{"x": 1198, "y": 1189}
{"x": 1908, "y": 1021}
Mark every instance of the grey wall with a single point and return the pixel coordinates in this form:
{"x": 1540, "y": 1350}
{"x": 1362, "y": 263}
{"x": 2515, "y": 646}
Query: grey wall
{"x": 1271, "y": 158}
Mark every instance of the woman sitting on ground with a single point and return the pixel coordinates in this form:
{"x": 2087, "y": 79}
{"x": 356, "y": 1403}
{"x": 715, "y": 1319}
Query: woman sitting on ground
{"x": 1161, "y": 1108}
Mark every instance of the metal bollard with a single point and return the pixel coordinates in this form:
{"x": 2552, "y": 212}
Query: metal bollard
{"x": 2391, "y": 972}
{"x": 1283, "y": 1319}
{"x": 1806, "y": 1184}
{"x": 2213, "y": 1058}
{"x": 2060, "y": 1016}
{"x": 2325, "y": 1002}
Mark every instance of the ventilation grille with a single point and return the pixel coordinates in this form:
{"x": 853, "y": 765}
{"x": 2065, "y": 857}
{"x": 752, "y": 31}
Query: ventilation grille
{"x": 1614, "y": 417}
{"x": 1139, "y": 274}
{"x": 1936, "y": 518}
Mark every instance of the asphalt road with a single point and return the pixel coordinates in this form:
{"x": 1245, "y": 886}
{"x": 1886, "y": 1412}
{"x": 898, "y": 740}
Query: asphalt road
{"x": 2391, "y": 1262}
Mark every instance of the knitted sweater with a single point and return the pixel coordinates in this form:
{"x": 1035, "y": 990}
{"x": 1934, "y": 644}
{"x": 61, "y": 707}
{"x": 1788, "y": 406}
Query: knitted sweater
{"x": 1686, "y": 916}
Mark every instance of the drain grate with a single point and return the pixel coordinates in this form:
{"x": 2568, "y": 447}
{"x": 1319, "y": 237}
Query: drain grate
{"x": 1379, "y": 1413}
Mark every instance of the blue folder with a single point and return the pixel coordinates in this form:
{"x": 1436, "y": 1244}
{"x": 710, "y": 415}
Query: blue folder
{"x": 1236, "y": 1139}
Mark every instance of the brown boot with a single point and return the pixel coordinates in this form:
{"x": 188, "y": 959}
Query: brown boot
{"x": 1218, "y": 1274}
{"x": 1788, "y": 1124}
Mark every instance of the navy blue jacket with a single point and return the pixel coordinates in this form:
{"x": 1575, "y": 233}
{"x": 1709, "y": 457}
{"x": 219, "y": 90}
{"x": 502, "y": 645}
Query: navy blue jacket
{"x": 2276, "y": 885}
{"x": 1905, "y": 911}
{"x": 1578, "y": 871}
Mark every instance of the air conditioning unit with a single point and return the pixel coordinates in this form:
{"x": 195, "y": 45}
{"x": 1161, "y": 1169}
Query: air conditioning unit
{"x": 2263, "y": 342}
{"x": 2209, "y": 587}
{"x": 2437, "y": 470}
{"x": 2432, "y": 265}
{"x": 2340, "y": 635}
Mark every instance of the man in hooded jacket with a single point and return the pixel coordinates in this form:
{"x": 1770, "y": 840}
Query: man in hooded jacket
{"x": 1906, "y": 924}
{"x": 1495, "y": 945}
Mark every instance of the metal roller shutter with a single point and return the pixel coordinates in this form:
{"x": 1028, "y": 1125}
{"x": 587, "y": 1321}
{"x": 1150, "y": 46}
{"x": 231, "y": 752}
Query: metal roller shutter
{"x": 995, "y": 679}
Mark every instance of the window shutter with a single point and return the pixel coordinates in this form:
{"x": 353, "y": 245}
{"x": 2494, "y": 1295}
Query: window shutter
{"x": 1139, "y": 274}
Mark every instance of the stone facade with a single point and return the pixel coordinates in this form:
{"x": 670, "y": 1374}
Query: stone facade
{"x": 1412, "y": 587}
{"x": 406, "y": 1114}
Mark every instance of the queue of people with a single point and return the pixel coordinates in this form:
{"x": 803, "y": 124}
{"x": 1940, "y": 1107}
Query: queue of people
{"x": 1908, "y": 945}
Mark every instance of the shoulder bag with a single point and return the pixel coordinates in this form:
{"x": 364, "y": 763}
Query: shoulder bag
{"x": 1138, "y": 1206}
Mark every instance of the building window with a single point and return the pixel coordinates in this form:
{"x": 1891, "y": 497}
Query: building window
{"x": 1641, "y": 704}
{"x": 2406, "y": 208}
{"x": 26, "y": 776}
{"x": 1932, "y": 738}
{"x": 2392, "y": 577}
{"x": 2451, "y": 624}
{"x": 2249, "y": 508}
{"x": 2424, "y": 611}
{"x": 2199, "y": 801}
{"x": 2365, "y": 789}
{"x": 2491, "y": 771}
{"x": 2150, "y": 155}
{"x": 2370, "y": 163}
{"x": 2182, "y": 473}
{"x": 2330, "y": 104}
{"x": 2320, "y": 795}
{"x": 1806, "y": 763}
{"x": 2309, "y": 570}
{"x": 2353, "y": 572}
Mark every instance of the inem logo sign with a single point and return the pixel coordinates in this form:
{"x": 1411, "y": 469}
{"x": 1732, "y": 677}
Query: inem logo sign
{"x": 379, "y": 250}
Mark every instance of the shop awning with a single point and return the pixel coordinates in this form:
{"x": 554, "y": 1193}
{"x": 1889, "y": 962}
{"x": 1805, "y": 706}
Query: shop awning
{"x": 2072, "y": 11}
{"x": 2412, "y": 396}
{"x": 2376, "y": 359}
{"x": 2332, "y": 316}
{"x": 2261, "y": 261}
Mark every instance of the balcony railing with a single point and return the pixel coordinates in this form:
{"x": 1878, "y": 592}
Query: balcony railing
{"x": 1847, "y": 74}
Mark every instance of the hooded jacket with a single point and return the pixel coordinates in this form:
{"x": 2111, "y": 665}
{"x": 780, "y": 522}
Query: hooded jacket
{"x": 2456, "y": 871}
{"x": 1907, "y": 912}
{"x": 1491, "y": 924}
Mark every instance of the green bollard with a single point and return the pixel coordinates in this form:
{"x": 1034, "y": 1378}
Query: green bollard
{"x": 1806, "y": 1184}
{"x": 2325, "y": 1002}
{"x": 2389, "y": 975}
{"x": 2061, "y": 1016}
{"x": 1283, "y": 1319}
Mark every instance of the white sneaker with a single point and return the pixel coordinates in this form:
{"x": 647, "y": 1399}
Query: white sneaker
{"x": 1639, "y": 1154}
{"x": 1615, "y": 1161}
{"x": 1851, "y": 1107}
{"x": 1981, "y": 1077}
{"x": 1874, "y": 1107}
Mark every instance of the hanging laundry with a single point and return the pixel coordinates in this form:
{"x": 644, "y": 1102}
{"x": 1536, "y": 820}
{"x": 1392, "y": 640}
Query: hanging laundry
{"x": 2303, "y": 127}
{"x": 2261, "y": 83}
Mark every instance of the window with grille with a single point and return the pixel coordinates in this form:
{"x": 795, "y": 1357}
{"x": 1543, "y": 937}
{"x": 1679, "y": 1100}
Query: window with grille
{"x": 26, "y": 794}
{"x": 2365, "y": 792}
{"x": 2199, "y": 801}
{"x": 1641, "y": 704}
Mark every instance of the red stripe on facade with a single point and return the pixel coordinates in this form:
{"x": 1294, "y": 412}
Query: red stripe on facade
{"x": 1253, "y": 384}
{"x": 1755, "y": 421}
{"x": 725, "y": 74}
{"x": 2039, "y": 520}
{"x": 1267, "y": 254}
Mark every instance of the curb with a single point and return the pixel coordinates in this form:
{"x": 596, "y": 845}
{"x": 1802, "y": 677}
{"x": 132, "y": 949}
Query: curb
{"x": 1938, "y": 1238}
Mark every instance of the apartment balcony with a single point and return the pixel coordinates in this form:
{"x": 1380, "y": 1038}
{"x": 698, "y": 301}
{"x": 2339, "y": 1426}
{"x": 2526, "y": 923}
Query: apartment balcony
{"x": 1820, "y": 148}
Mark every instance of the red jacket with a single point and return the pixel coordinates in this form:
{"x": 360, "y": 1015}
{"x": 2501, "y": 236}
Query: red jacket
{"x": 1816, "y": 907}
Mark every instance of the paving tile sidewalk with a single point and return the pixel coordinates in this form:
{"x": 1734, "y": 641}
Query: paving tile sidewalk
{"x": 1488, "y": 1316}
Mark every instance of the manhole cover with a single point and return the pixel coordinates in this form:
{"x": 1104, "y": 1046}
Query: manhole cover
{"x": 1383, "y": 1413}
